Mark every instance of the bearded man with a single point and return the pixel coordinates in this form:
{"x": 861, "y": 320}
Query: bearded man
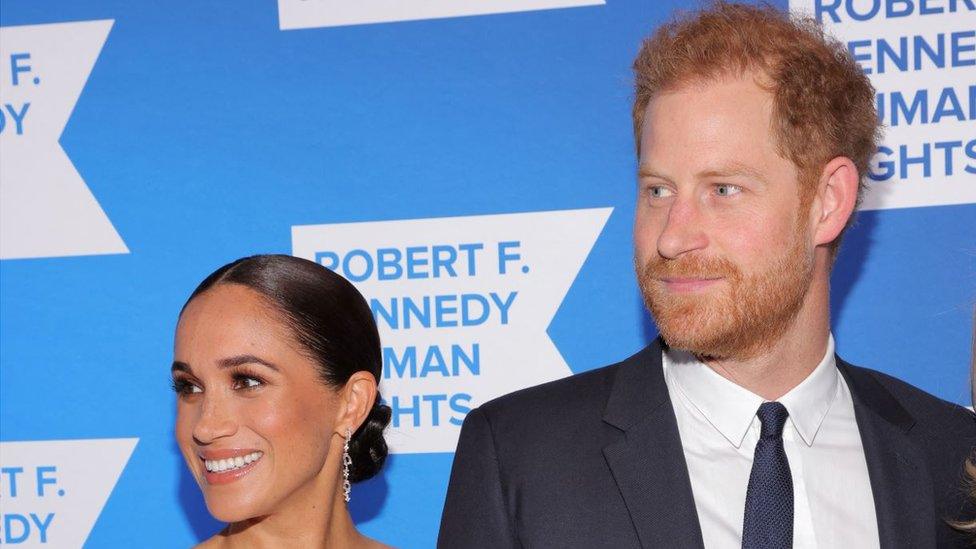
{"x": 739, "y": 426}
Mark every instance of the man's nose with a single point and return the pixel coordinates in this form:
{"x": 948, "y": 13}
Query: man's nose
{"x": 215, "y": 420}
{"x": 683, "y": 230}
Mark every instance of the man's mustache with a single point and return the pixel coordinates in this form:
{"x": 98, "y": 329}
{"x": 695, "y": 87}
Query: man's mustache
{"x": 689, "y": 267}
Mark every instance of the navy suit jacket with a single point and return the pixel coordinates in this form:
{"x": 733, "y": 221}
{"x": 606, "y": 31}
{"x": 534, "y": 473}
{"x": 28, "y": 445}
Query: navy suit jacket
{"x": 595, "y": 460}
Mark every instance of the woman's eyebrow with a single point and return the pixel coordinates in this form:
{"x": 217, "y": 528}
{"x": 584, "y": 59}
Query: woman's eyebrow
{"x": 181, "y": 367}
{"x": 238, "y": 360}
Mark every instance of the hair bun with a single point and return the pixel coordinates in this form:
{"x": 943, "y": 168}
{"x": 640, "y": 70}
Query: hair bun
{"x": 367, "y": 448}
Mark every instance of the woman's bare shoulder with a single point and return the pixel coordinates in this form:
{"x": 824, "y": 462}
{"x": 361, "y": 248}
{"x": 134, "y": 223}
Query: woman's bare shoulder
{"x": 217, "y": 541}
{"x": 374, "y": 544}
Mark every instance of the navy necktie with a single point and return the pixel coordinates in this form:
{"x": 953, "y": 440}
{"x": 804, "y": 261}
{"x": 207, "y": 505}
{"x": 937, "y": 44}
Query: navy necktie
{"x": 768, "y": 521}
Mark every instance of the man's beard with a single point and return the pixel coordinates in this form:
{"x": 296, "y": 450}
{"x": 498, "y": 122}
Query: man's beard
{"x": 739, "y": 322}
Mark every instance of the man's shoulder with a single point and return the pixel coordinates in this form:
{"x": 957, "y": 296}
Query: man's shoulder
{"x": 578, "y": 390}
{"x": 932, "y": 414}
{"x": 578, "y": 400}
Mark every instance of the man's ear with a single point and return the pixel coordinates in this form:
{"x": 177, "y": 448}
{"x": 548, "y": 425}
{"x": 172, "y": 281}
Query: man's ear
{"x": 355, "y": 401}
{"x": 835, "y": 199}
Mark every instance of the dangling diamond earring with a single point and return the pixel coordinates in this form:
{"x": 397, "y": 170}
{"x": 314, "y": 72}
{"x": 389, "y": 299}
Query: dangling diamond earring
{"x": 346, "y": 462}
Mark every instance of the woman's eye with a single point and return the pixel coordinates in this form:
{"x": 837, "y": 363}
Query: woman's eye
{"x": 184, "y": 387}
{"x": 246, "y": 382}
{"x": 727, "y": 190}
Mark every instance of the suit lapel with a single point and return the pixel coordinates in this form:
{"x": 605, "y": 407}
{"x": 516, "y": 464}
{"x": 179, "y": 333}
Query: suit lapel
{"x": 900, "y": 482}
{"x": 648, "y": 465}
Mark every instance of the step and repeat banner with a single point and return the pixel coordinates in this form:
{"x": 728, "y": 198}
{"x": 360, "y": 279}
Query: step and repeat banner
{"x": 468, "y": 164}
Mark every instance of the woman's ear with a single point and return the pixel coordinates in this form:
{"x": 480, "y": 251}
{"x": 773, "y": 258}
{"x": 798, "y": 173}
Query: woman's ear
{"x": 355, "y": 401}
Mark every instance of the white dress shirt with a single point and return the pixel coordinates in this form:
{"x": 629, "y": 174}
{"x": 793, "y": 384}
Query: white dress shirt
{"x": 832, "y": 501}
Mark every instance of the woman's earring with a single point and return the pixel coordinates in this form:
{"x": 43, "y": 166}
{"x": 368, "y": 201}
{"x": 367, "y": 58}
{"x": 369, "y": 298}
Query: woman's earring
{"x": 346, "y": 462}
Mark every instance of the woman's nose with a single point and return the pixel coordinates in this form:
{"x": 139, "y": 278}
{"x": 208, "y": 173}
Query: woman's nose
{"x": 214, "y": 422}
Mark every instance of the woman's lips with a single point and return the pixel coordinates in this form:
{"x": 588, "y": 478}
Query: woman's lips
{"x": 688, "y": 284}
{"x": 224, "y": 466}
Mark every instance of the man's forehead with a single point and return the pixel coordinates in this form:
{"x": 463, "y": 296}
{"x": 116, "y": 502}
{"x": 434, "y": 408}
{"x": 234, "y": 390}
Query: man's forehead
{"x": 730, "y": 118}
{"x": 698, "y": 82}
{"x": 730, "y": 97}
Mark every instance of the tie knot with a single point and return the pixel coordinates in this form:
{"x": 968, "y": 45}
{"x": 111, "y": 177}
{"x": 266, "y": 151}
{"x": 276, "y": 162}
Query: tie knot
{"x": 773, "y": 416}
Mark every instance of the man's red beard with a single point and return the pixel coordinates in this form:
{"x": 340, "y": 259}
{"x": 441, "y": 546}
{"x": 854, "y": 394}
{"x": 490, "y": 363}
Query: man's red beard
{"x": 738, "y": 321}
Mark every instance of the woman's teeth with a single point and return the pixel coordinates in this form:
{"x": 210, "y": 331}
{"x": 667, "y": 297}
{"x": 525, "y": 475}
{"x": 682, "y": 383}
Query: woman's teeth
{"x": 229, "y": 464}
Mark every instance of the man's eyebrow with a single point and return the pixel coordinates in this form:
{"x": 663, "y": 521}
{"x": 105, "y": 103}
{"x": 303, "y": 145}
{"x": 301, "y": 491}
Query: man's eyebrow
{"x": 731, "y": 170}
{"x": 239, "y": 360}
{"x": 644, "y": 170}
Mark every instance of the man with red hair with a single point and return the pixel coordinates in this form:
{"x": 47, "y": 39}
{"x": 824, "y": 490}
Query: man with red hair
{"x": 739, "y": 426}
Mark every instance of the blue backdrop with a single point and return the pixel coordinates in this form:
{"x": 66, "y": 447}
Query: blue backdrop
{"x": 206, "y": 133}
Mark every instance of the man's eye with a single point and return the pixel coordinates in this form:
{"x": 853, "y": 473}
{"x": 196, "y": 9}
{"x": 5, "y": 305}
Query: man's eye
{"x": 184, "y": 387}
{"x": 659, "y": 191}
{"x": 727, "y": 190}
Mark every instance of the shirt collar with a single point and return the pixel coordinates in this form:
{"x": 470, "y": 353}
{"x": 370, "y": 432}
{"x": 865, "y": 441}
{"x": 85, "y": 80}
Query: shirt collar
{"x": 731, "y": 409}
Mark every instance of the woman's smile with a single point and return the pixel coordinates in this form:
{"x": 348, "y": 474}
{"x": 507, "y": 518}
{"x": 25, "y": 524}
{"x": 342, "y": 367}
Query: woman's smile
{"x": 233, "y": 466}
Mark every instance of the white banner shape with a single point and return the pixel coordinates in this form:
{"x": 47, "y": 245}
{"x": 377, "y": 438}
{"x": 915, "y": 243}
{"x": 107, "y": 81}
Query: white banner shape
{"x": 52, "y": 491}
{"x": 462, "y": 305}
{"x": 305, "y": 14}
{"x": 920, "y": 58}
{"x": 46, "y": 210}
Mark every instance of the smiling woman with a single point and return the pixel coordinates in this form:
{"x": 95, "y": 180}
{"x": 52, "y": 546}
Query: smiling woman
{"x": 275, "y": 368}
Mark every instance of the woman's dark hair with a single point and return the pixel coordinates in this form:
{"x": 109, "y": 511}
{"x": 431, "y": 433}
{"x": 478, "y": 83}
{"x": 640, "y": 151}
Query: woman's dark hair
{"x": 333, "y": 324}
